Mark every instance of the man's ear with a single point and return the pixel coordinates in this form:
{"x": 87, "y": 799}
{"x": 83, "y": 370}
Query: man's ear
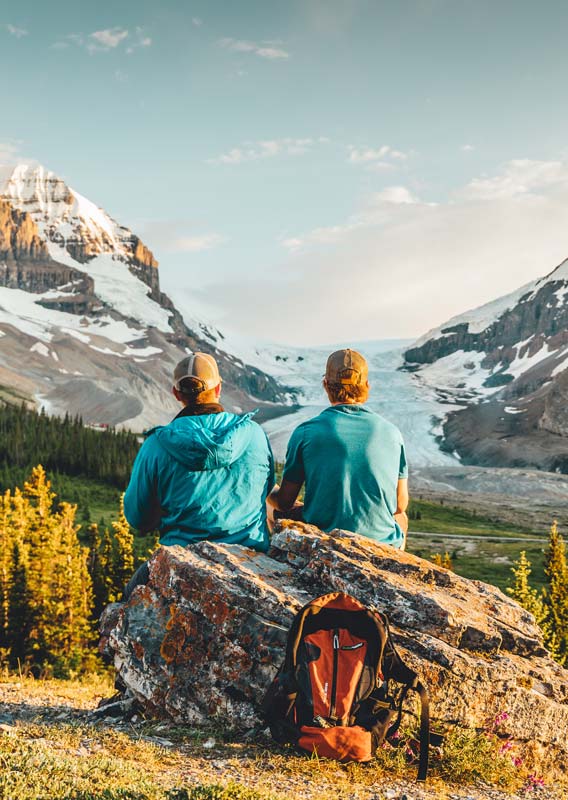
{"x": 177, "y": 394}
{"x": 218, "y": 391}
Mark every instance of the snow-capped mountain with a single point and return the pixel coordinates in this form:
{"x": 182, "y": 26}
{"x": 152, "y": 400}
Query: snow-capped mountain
{"x": 84, "y": 326}
{"x": 507, "y": 361}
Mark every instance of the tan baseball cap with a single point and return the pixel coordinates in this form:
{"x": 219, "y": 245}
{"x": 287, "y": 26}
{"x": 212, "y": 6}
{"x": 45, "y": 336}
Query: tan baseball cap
{"x": 347, "y": 367}
{"x": 201, "y": 367}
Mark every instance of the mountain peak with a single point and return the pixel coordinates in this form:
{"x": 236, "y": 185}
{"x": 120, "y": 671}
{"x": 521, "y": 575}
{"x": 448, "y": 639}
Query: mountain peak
{"x": 34, "y": 184}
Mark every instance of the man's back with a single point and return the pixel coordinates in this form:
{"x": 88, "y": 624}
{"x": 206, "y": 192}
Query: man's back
{"x": 351, "y": 460}
{"x": 203, "y": 476}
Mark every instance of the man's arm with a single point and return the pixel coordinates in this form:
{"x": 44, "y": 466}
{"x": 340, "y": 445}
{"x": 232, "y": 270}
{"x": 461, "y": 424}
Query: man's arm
{"x": 402, "y": 499}
{"x": 284, "y": 497}
{"x": 141, "y": 507}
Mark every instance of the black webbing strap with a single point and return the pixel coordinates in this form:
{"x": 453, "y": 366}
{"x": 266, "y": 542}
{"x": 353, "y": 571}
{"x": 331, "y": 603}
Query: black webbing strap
{"x": 424, "y": 731}
{"x": 396, "y": 724}
{"x": 424, "y": 734}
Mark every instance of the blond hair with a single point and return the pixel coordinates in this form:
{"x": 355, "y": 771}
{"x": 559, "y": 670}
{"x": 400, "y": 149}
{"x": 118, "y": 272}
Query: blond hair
{"x": 347, "y": 392}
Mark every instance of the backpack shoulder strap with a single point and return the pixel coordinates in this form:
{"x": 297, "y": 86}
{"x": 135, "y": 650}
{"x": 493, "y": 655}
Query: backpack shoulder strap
{"x": 400, "y": 672}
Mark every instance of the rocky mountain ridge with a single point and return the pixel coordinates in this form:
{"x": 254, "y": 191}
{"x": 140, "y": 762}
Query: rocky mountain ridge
{"x": 507, "y": 363}
{"x": 84, "y": 326}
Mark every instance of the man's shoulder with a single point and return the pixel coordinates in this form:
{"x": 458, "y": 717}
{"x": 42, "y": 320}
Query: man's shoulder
{"x": 384, "y": 425}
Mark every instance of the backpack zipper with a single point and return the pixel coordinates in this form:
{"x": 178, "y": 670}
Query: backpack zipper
{"x": 334, "y": 676}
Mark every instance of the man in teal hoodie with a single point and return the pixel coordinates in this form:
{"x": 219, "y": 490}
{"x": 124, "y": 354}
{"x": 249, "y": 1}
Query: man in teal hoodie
{"x": 206, "y": 475}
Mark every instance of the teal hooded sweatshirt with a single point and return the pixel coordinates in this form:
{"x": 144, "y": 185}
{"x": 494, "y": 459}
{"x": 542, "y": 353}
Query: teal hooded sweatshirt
{"x": 203, "y": 477}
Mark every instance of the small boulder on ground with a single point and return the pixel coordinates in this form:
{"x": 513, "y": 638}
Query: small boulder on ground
{"x": 204, "y": 638}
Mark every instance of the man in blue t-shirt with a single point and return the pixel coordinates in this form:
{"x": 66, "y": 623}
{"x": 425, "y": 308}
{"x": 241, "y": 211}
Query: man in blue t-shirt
{"x": 351, "y": 460}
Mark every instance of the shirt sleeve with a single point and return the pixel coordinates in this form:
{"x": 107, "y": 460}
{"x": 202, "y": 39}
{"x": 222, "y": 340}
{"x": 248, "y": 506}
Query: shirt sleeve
{"x": 294, "y": 466}
{"x": 141, "y": 506}
{"x": 403, "y": 466}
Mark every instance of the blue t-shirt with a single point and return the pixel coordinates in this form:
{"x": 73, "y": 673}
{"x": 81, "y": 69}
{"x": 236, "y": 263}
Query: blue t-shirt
{"x": 350, "y": 459}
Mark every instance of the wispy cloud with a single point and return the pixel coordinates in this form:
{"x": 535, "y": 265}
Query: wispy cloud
{"x": 197, "y": 21}
{"x": 9, "y": 152}
{"x": 518, "y": 177}
{"x": 179, "y": 236}
{"x": 138, "y": 39}
{"x": 268, "y": 148}
{"x": 15, "y": 30}
{"x": 376, "y": 158}
{"x": 411, "y": 264}
{"x": 106, "y": 40}
{"x": 379, "y": 208}
{"x": 266, "y": 49}
{"x": 196, "y": 244}
{"x": 467, "y": 148}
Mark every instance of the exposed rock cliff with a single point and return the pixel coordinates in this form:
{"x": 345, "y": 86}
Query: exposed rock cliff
{"x": 26, "y": 264}
{"x": 204, "y": 638}
{"x": 507, "y": 362}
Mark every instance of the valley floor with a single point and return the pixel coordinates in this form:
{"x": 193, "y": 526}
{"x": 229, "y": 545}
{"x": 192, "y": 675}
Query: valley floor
{"x": 53, "y": 748}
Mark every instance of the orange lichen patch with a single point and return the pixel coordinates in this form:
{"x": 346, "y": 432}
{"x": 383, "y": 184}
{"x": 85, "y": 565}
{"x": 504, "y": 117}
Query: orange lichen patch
{"x": 137, "y": 649}
{"x": 215, "y": 608}
{"x": 172, "y": 644}
{"x": 181, "y": 627}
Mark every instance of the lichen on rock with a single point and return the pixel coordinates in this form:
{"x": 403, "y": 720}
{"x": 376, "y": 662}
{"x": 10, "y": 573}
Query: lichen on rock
{"x": 205, "y": 637}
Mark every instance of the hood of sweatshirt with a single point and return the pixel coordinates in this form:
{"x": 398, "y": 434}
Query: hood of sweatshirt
{"x": 206, "y": 441}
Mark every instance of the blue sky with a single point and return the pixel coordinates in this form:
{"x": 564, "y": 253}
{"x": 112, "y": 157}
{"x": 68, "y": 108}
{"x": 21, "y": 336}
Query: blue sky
{"x": 307, "y": 171}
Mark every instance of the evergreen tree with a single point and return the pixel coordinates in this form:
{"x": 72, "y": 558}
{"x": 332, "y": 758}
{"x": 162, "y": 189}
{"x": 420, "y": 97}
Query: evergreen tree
{"x": 94, "y": 564}
{"x": 107, "y": 563}
{"x": 6, "y": 546}
{"x": 20, "y": 617}
{"x": 522, "y": 592}
{"x": 123, "y": 561}
{"x": 555, "y": 595}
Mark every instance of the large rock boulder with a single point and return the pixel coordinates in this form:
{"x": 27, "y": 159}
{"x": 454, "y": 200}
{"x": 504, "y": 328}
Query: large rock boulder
{"x": 204, "y": 638}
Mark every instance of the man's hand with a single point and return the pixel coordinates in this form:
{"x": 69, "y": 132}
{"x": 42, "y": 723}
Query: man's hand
{"x": 284, "y": 497}
{"x": 402, "y": 518}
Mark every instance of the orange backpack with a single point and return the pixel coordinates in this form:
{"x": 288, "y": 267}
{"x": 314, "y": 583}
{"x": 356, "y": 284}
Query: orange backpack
{"x": 333, "y": 693}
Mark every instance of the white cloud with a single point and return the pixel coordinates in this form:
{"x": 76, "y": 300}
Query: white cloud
{"x": 262, "y": 49}
{"x": 268, "y": 148}
{"x": 378, "y": 210}
{"x": 367, "y": 155}
{"x": 16, "y": 31}
{"x": 521, "y": 176}
{"x": 109, "y": 38}
{"x": 138, "y": 39}
{"x": 467, "y": 148}
{"x": 411, "y": 264}
{"x": 178, "y": 236}
{"x": 106, "y": 40}
{"x": 376, "y": 159}
{"x": 197, "y": 21}
{"x": 9, "y": 152}
{"x": 195, "y": 244}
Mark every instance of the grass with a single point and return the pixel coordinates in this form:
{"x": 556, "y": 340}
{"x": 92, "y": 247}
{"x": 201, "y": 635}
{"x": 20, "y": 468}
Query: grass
{"x": 442, "y": 518}
{"x": 484, "y": 559}
{"x": 45, "y": 757}
{"x": 485, "y": 554}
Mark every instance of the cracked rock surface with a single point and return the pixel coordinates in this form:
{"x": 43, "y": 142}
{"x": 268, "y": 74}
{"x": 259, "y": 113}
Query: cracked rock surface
{"x": 205, "y": 637}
